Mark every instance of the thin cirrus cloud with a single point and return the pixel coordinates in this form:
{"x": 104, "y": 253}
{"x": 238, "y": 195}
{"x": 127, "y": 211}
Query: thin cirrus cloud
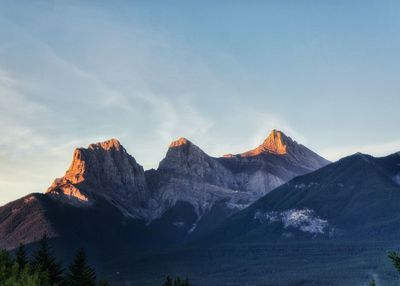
{"x": 44, "y": 118}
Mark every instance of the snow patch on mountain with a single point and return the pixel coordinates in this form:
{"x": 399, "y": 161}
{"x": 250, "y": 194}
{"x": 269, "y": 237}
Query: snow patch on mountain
{"x": 192, "y": 228}
{"x": 303, "y": 219}
{"x": 237, "y": 206}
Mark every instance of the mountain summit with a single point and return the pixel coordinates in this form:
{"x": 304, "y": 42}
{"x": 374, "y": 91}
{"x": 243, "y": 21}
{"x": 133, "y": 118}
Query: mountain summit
{"x": 239, "y": 204}
{"x": 179, "y": 142}
{"x": 355, "y": 198}
{"x": 189, "y": 194}
{"x": 104, "y": 170}
{"x": 276, "y": 143}
{"x": 211, "y": 189}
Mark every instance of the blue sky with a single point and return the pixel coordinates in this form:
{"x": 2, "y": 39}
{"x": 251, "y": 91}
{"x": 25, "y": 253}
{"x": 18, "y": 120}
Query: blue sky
{"x": 221, "y": 73}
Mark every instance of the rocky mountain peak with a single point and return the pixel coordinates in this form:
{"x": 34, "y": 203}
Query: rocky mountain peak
{"x": 276, "y": 143}
{"x": 87, "y": 161}
{"x": 182, "y": 155}
{"x": 111, "y": 144}
{"x": 179, "y": 142}
{"x": 104, "y": 169}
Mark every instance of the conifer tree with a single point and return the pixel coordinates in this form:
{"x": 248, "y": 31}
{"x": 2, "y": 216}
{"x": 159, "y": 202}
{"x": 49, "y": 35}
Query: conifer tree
{"x": 28, "y": 278}
{"x": 45, "y": 263}
{"x": 21, "y": 257}
{"x": 11, "y": 275}
{"x": 80, "y": 273}
{"x": 372, "y": 283}
{"x": 5, "y": 265}
{"x": 168, "y": 281}
{"x": 395, "y": 259}
{"x": 178, "y": 282}
{"x": 103, "y": 283}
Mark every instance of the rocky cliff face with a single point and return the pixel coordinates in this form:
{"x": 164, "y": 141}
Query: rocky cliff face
{"x": 277, "y": 143}
{"x": 277, "y": 160}
{"x": 186, "y": 159}
{"x": 103, "y": 170}
{"x": 189, "y": 175}
{"x": 353, "y": 199}
{"x": 223, "y": 186}
{"x": 190, "y": 192}
{"x": 186, "y": 175}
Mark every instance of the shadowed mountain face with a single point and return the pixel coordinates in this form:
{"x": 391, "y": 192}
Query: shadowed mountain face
{"x": 189, "y": 194}
{"x": 279, "y": 204}
{"x": 354, "y": 198}
{"x": 217, "y": 187}
{"x": 24, "y": 220}
{"x": 104, "y": 170}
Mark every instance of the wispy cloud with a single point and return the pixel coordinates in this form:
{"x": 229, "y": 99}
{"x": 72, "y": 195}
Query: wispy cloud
{"x": 47, "y": 112}
{"x": 76, "y": 73}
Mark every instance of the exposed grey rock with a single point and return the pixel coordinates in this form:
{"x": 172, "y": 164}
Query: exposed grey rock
{"x": 190, "y": 192}
{"x": 232, "y": 182}
{"x": 106, "y": 170}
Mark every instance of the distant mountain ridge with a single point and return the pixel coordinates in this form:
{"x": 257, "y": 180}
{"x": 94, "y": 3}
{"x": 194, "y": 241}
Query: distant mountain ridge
{"x": 355, "y": 198}
{"x": 277, "y": 213}
{"x": 190, "y": 192}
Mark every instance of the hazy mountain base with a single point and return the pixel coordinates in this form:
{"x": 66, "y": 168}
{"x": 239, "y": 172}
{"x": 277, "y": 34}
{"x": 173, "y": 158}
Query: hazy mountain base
{"x": 324, "y": 263}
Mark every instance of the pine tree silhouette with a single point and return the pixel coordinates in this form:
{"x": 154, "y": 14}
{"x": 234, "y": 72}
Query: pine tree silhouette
{"x": 176, "y": 282}
{"x": 46, "y": 264}
{"x": 21, "y": 257}
{"x": 395, "y": 260}
{"x": 186, "y": 282}
{"x": 168, "y": 281}
{"x": 80, "y": 273}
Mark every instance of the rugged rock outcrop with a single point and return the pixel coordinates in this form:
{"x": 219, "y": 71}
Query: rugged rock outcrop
{"x": 190, "y": 192}
{"x": 218, "y": 187}
{"x": 353, "y": 199}
{"x": 188, "y": 175}
{"x": 277, "y": 160}
{"x": 104, "y": 170}
{"x": 279, "y": 144}
{"x": 108, "y": 204}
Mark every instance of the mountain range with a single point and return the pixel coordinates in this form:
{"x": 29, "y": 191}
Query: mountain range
{"x": 355, "y": 198}
{"x": 189, "y": 193}
{"x": 280, "y": 195}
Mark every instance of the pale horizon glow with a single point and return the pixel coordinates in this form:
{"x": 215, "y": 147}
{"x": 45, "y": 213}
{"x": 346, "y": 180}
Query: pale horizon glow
{"x": 222, "y": 74}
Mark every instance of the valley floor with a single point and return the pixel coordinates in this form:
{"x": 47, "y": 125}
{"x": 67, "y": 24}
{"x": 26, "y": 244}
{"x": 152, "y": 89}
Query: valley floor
{"x": 265, "y": 264}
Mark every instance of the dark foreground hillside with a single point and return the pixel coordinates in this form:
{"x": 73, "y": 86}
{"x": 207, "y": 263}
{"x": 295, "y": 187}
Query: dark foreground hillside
{"x": 266, "y": 264}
